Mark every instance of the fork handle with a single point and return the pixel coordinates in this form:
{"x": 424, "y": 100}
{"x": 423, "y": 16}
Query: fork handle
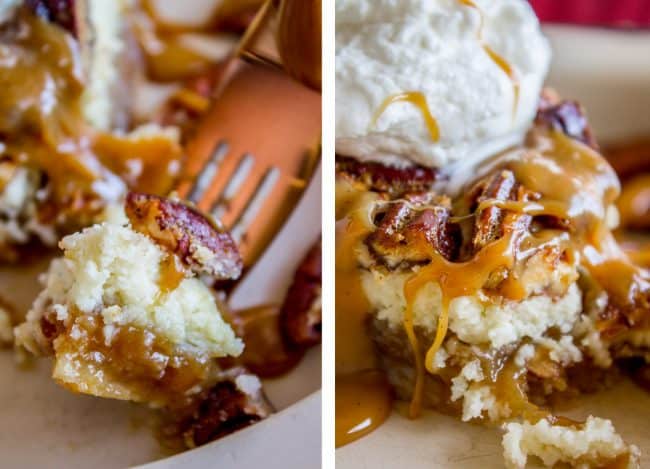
{"x": 287, "y": 34}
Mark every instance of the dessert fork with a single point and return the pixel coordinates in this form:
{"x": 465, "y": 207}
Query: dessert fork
{"x": 257, "y": 146}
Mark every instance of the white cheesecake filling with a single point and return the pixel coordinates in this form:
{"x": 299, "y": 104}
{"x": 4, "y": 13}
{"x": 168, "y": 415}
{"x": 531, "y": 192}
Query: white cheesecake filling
{"x": 591, "y": 446}
{"x": 474, "y": 319}
{"x": 113, "y": 271}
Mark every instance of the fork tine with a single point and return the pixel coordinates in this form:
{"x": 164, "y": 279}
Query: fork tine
{"x": 237, "y": 179}
{"x": 255, "y": 203}
{"x": 208, "y": 172}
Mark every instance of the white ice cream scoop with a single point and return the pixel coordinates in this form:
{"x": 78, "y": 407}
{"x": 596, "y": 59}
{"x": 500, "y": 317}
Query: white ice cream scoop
{"x": 435, "y": 82}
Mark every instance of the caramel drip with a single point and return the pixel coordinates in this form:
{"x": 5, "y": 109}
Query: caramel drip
{"x": 546, "y": 207}
{"x": 171, "y": 275}
{"x": 501, "y": 62}
{"x": 417, "y": 99}
{"x": 354, "y": 349}
{"x": 510, "y": 387}
{"x": 363, "y": 403}
{"x": 363, "y": 398}
{"x": 455, "y": 280}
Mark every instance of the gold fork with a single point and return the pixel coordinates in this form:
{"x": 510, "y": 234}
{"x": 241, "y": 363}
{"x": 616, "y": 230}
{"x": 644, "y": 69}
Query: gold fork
{"x": 256, "y": 148}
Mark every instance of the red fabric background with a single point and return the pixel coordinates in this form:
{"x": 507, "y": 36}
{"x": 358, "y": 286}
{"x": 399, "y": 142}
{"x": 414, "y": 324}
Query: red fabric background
{"x": 612, "y": 13}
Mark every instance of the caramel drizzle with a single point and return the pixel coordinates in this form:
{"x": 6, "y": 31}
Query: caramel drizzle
{"x": 417, "y": 99}
{"x": 363, "y": 396}
{"x": 499, "y": 60}
{"x": 455, "y": 279}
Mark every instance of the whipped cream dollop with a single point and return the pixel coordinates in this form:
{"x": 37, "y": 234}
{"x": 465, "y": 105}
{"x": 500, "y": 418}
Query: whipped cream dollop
{"x": 435, "y": 82}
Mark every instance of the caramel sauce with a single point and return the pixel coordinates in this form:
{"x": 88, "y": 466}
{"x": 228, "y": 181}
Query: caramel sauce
{"x": 363, "y": 403}
{"x": 354, "y": 349}
{"x": 42, "y": 123}
{"x": 134, "y": 364}
{"x": 509, "y": 388}
{"x": 418, "y": 100}
{"x": 363, "y": 399}
{"x": 455, "y": 280}
{"x": 147, "y": 164}
{"x": 171, "y": 274}
{"x": 172, "y": 61}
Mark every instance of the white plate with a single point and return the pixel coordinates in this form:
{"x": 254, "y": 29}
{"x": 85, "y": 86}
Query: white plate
{"x": 608, "y": 72}
{"x": 46, "y": 426}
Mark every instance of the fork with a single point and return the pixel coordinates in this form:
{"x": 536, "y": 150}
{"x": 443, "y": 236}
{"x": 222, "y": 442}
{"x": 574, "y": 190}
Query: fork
{"x": 257, "y": 146}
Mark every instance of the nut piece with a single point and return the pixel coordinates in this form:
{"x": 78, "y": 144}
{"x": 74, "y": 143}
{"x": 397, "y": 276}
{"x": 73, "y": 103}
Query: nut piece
{"x": 301, "y": 313}
{"x": 395, "y": 181}
{"x": 235, "y": 402}
{"x": 488, "y": 226}
{"x": 411, "y": 229}
{"x": 197, "y": 241}
{"x": 565, "y": 116}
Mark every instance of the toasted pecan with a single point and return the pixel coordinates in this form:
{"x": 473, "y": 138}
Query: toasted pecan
{"x": 565, "y": 116}
{"x": 225, "y": 408}
{"x": 409, "y": 230}
{"x": 197, "y": 241}
{"x": 380, "y": 178}
{"x": 301, "y": 313}
{"x": 488, "y": 225}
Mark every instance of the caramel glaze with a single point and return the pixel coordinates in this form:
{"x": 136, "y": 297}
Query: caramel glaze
{"x": 574, "y": 185}
{"x": 135, "y": 364}
{"x": 357, "y": 369}
{"x": 363, "y": 402}
{"x": 418, "y": 100}
{"x": 42, "y": 126}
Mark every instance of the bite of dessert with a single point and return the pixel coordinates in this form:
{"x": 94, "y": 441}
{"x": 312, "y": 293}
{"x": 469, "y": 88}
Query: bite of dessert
{"x": 124, "y": 312}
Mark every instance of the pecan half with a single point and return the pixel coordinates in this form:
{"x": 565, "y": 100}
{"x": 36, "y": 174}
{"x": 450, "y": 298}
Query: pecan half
{"x": 380, "y": 178}
{"x": 301, "y": 313}
{"x": 234, "y": 402}
{"x": 197, "y": 241}
{"x": 488, "y": 226}
{"x": 565, "y": 116}
{"x": 410, "y": 230}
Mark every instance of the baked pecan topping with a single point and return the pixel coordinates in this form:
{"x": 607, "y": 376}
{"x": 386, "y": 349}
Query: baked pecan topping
{"x": 488, "y": 226}
{"x": 380, "y": 178}
{"x": 182, "y": 230}
{"x": 301, "y": 313}
{"x": 226, "y": 407}
{"x": 61, "y": 12}
{"x": 565, "y": 116}
{"x": 410, "y": 229}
